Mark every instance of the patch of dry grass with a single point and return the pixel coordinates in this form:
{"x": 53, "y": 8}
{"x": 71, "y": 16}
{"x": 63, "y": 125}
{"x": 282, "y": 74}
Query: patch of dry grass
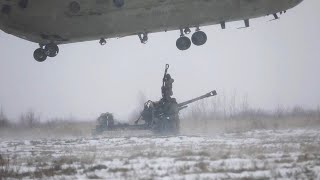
{"x": 119, "y": 170}
{"x": 202, "y": 166}
{"x": 95, "y": 167}
{"x": 51, "y": 171}
{"x": 7, "y": 170}
{"x": 61, "y": 166}
{"x": 93, "y": 176}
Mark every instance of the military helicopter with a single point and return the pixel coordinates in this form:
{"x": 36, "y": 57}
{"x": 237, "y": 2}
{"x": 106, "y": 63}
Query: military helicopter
{"x": 53, "y": 22}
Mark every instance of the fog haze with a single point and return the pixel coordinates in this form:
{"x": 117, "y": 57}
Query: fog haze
{"x": 273, "y": 63}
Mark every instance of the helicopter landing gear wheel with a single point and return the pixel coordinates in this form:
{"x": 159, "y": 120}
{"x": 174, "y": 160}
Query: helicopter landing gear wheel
{"x": 199, "y": 38}
{"x": 40, "y": 55}
{"x": 183, "y": 43}
{"x": 118, "y": 3}
{"x": 51, "y": 50}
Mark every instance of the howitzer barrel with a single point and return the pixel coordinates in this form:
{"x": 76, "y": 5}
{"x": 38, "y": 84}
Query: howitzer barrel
{"x": 212, "y": 93}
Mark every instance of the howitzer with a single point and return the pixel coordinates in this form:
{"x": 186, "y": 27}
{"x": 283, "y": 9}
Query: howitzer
{"x": 184, "y": 104}
{"x": 160, "y": 116}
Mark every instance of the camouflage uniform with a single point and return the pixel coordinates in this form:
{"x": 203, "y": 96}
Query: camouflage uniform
{"x": 167, "y": 88}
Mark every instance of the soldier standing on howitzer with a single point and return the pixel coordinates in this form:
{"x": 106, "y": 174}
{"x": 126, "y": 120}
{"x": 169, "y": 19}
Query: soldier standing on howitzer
{"x": 167, "y": 87}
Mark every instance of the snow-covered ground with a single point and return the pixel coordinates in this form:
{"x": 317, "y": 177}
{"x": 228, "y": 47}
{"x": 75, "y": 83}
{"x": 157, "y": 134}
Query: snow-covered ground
{"x": 261, "y": 154}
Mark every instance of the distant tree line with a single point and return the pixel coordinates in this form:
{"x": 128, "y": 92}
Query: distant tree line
{"x": 28, "y": 119}
{"x": 221, "y": 107}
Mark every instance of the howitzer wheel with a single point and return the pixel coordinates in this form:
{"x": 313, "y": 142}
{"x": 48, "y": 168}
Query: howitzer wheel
{"x": 167, "y": 126}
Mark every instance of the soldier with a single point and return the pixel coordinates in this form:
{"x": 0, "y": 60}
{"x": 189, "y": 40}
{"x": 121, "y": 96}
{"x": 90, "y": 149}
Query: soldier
{"x": 167, "y": 87}
{"x": 147, "y": 113}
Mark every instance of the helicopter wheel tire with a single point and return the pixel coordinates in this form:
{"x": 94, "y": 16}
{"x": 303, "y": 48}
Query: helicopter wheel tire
{"x": 40, "y": 55}
{"x": 183, "y": 43}
{"x": 51, "y": 50}
{"x": 199, "y": 38}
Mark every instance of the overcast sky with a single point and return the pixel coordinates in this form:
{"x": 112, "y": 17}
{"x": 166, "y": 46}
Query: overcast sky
{"x": 274, "y": 63}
